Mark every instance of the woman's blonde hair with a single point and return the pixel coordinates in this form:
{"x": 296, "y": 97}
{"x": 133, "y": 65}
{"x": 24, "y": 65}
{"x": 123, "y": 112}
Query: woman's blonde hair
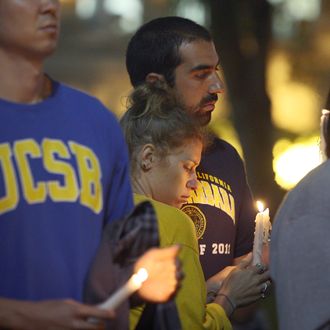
{"x": 155, "y": 117}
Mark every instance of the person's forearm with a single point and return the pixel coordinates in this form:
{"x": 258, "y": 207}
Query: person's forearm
{"x": 214, "y": 283}
{"x": 244, "y": 314}
{"x": 226, "y": 303}
{"x": 10, "y": 313}
{"x": 212, "y": 290}
{"x": 49, "y": 314}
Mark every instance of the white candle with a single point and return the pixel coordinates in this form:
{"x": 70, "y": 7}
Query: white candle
{"x": 133, "y": 284}
{"x": 324, "y": 133}
{"x": 261, "y": 234}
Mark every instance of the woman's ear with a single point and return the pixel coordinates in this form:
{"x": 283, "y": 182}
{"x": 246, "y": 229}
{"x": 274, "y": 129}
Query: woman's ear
{"x": 147, "y": 157}
{"x": 152, "y": 77}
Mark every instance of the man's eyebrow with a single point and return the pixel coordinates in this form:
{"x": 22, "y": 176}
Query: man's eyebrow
{"x": 201, "y": 67}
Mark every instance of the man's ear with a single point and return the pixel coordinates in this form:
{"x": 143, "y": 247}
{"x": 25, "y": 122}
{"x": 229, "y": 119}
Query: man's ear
{"x": 152, "y": 77}
{"x": 147, "y": 156}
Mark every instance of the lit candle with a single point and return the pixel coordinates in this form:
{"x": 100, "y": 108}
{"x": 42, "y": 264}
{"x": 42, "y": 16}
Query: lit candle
{"x": 324, "y": 133}
{"x": 261, "y": 234}
{"x": 133, "y": 284}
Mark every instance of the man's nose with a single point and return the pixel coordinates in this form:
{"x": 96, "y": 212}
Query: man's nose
{"x": 216, "y": 85}
{"x": 51, "y": 6}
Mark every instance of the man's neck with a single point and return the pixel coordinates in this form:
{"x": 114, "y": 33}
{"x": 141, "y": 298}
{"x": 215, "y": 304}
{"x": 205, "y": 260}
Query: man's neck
{"x": 23, "y": 81}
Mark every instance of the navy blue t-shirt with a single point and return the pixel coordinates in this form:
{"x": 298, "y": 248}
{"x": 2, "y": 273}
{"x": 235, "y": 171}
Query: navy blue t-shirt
{"x": 221, "y": 208}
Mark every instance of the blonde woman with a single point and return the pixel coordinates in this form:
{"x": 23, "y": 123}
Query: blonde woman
{"x": 165, "y": 146}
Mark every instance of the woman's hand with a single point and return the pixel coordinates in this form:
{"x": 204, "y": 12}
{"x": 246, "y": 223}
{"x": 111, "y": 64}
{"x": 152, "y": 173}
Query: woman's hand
{"x": 164, "y": 273}
{"x": 244, "y": 285}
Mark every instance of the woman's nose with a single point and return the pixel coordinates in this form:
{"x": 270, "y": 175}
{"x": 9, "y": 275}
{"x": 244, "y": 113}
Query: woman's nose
{"x": 193, "y": 183}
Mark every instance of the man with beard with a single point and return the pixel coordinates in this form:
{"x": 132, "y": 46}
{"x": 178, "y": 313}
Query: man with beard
{"x": 181, "y": 53}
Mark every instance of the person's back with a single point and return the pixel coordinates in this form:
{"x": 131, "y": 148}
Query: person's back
{"x": 299, "y": 254}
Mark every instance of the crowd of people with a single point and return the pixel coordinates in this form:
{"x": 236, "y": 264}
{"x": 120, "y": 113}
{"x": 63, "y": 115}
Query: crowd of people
{"x": 85, "y": 202}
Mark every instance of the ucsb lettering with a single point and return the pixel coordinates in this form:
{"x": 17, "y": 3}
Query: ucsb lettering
{"x": 54, "y": 156}
{"x": 215, "y": 192}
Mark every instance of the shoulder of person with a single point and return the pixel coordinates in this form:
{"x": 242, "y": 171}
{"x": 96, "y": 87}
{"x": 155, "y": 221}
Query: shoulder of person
{"x": 318, "y": 178}
{"x": 217, "y": 143}
{"x": 167, "y": 214}
{"x": 172, "y": 215}
{"x": 220, "y": 148}
{"x": 82, "y": 97}
{"x": 310, "y": 195}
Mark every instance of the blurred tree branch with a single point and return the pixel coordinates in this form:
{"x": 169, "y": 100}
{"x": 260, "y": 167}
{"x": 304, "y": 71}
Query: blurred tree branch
{"x": 242, "y": 32}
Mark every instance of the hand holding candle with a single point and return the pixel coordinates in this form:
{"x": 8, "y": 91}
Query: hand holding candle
{"x": 261, "y": 234}
{"x": 132, "y": 285}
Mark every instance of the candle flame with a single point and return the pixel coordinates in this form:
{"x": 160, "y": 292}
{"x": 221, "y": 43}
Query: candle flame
{"x": 140, "y": 276}
{"x": 260, "y": 206}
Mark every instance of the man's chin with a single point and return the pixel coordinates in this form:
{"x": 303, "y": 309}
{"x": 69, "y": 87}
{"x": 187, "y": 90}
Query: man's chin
{"x": 204, "y": 118}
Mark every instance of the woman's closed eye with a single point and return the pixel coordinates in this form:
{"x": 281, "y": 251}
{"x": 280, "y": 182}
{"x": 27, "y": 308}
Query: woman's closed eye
{"x": 190, "y": 167}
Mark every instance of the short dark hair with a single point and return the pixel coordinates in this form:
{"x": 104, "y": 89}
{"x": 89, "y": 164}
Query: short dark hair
{"x": 154, "y": 117}
{"x": 155, "y": 47}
